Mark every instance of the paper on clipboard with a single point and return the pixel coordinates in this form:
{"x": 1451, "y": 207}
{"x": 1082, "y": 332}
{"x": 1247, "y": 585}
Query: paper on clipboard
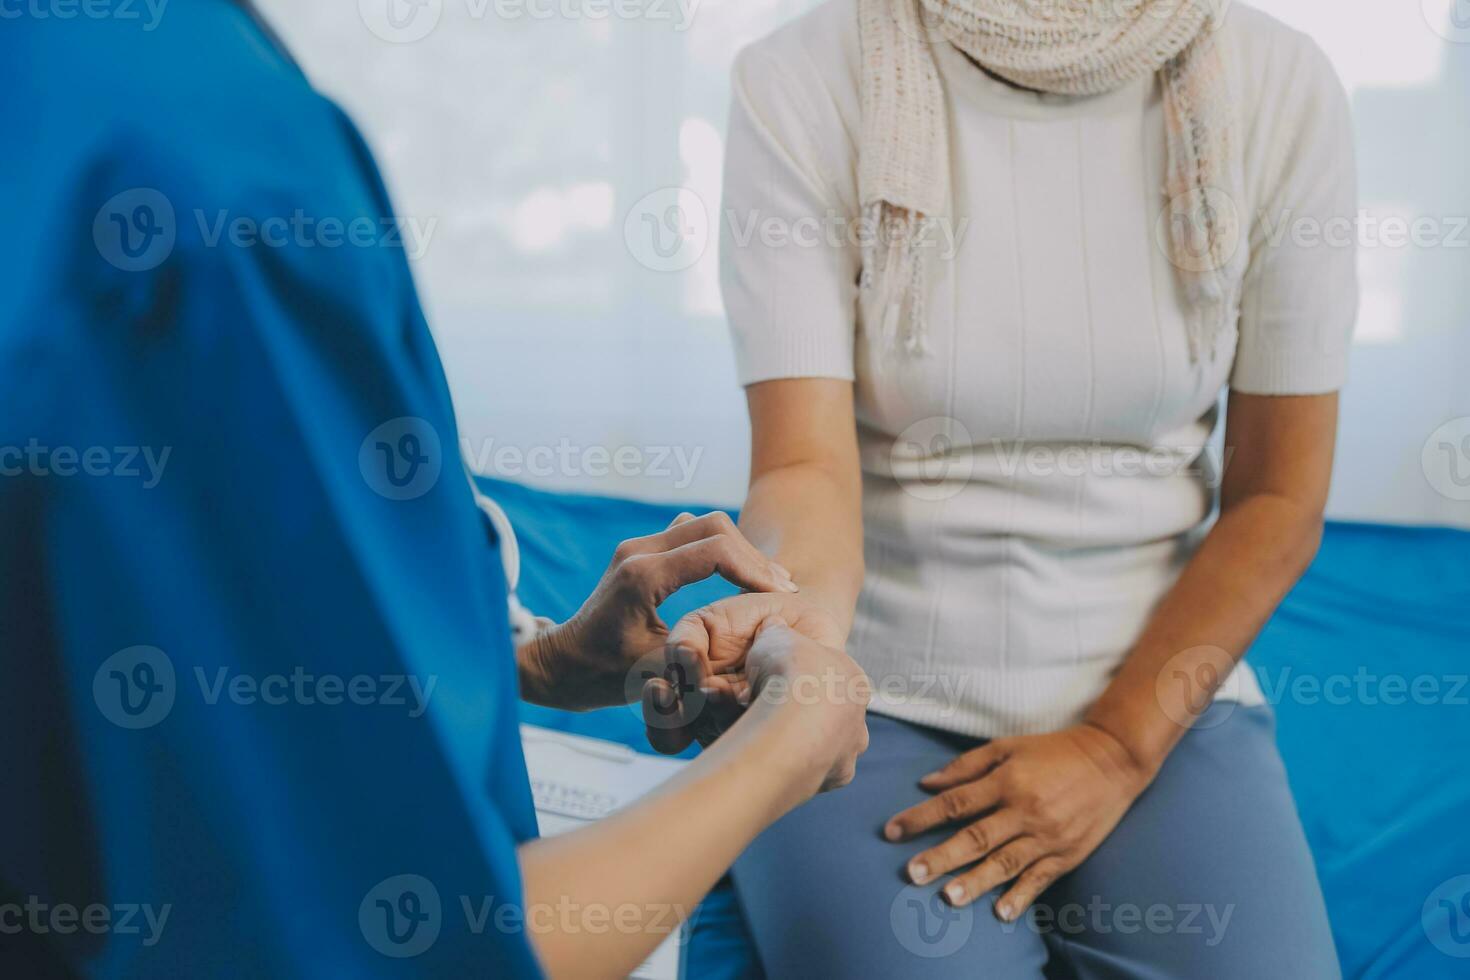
{"x": 576, "y": 780}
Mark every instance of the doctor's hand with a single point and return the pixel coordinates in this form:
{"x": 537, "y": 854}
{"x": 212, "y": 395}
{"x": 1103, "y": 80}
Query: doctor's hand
{"x": 763, "y": 660}
{"x": 1033, "y": 808}
{"x": 584, "y": 663}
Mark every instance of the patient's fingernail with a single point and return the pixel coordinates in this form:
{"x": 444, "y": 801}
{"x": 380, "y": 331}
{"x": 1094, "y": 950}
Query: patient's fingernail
{"x": 1004, "y": 911}
{"x": 892, "y": 831}
{"x": 918, "y": 871}
{"x": 955, "y": 892}
{"x": 781, "y": 570}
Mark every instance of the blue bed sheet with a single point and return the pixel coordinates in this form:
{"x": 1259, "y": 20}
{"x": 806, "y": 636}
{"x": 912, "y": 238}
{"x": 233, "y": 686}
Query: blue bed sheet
{"x": 1366, "y": 664}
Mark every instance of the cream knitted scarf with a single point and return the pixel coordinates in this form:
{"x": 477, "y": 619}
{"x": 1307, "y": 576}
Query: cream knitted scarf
{"x": 1069, "y": 47}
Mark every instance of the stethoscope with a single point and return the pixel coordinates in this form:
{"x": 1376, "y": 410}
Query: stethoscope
{"x": 524, "y": 624}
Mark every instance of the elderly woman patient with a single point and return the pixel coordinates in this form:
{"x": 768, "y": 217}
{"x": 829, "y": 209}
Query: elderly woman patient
{"x": 990, "y": 463}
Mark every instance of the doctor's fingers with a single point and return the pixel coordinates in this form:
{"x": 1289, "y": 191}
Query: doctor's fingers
{"x": 763, "y": 574}
{"x": 655, "y": 576}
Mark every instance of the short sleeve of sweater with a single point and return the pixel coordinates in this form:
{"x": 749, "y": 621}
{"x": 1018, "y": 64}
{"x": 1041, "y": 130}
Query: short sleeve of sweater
{"x": 789, "y": 258}
{"x": 1299, "y": 299}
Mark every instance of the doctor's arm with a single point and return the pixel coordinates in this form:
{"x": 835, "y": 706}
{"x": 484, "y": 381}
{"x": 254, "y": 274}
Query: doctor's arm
{"x": 644, "y": 869}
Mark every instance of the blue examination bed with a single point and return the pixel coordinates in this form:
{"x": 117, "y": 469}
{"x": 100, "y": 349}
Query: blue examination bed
{"x": 1366, "y": 663}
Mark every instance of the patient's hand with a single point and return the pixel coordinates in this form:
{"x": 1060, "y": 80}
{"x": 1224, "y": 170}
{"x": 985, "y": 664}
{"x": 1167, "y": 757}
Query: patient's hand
{"x": 1036, "y": 806}
{"x": 584, "y": 663}
{"x": 713, "y": 651}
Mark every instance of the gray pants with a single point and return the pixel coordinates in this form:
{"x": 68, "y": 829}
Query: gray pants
{"x": 1208, "y": 875}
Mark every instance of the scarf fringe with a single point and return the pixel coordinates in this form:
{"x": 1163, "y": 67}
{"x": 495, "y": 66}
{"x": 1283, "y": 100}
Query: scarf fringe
{"x": 893, "y": 239}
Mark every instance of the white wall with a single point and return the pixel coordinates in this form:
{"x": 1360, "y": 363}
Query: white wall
{"x": 542, "y": 140}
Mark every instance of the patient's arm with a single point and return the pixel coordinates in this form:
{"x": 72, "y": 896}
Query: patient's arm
{"x": 804, "y": 506}
{"x": 599, "y": 900}
{"x": 1278, "y": 453}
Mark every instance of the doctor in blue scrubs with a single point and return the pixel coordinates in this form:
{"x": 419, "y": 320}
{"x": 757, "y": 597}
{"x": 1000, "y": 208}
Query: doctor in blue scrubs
{"x": 248, "y": 605}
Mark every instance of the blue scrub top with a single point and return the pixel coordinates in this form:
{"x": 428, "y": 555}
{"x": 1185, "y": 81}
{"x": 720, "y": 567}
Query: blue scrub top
{"x": 258, "y": 712}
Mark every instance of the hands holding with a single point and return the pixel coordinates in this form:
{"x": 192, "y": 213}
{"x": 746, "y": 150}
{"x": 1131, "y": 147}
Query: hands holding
{"x": 762, "y": 651}
{"x": 765, "y": 652}
{"x": 584, "y": 662}
{"x": 1034, "y": 807}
